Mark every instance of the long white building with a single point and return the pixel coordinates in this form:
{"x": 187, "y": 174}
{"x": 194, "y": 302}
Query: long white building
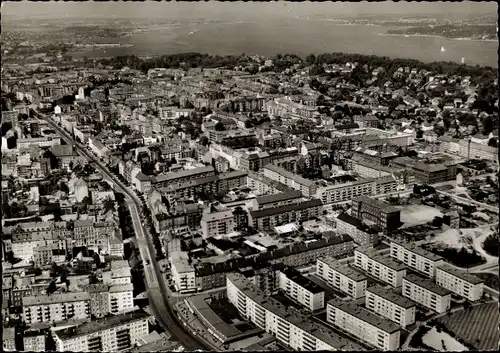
{"x": 121, "y": 297}
{"x": 426, "y": 293}
{"x": 416, "y": 258}
{"x": 291, "y": 328}
{"x": 366, "y": 326}
{"x": 388, "y": 304}
{"x": 341, "y": 277}
{"x": 378, "y": 266}
{"x": 112, "y": 334}
{"x": 461, "y": 283}
{"x": 301, "y": 289}
{"x": 56, "y": 307}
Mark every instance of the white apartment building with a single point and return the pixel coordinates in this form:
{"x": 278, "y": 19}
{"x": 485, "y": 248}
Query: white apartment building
{"x": 301, "y": 289}
{"x": 416, "y": 258}
{"x": 34, "y": 342}
{"x": 56, "y": 307}
{"x": 98, "y": 147}
{"x": 364, "y": 325}
{"x": 378, "y": 266}
{"x": 38, "y": 141}
{"x": 112, "y": 334}
{"x": 305, "y": 186}
{"x": 460, "y": 283}
{"x": 183, "y": 274}
{"x": 291, "y": 328}
{"x": 218, "y": 223}
{"x": 121, "y": 298}
{"x": 390, "y": 305}
{"x": 341, "y": 277}
{"x": 332, "y": 194}
{"x": 426, "y": 293}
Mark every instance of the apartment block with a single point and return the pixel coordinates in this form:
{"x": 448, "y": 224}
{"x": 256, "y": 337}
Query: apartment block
{"x": 378, "y": 266}
{"x": 463, "y": 284}
{"x": 293, "y": 329}
{"x": 121, "y": 298}
{"x": 183, "y": 274}
{"x": 218, "y": 223}
{"x": 382, "y": 214}
{"x": 426, "y": 293}
{"x": 416, "y": 258}
{"x": 34, "y": 341}
{"x": 361, "y": 233}
{"x": 117, "y": 333}
{"x": 341, "y": 277}
{"x": 56, "y": 307}
{"x": 305, "y": 186}
{"x": 364, "y": 325}
{"x": 341, "y": 192}
{"x": 387, "y": 303}
{"x": 276, "y": 216}
{"x": 301, "y": 289}
{"x": 276, "y": 200}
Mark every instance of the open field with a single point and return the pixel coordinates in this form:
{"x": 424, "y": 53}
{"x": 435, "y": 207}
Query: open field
{"x": 412, "y": 215}
{"x": 479, "y": 327}
{"x": 442, "y": 342}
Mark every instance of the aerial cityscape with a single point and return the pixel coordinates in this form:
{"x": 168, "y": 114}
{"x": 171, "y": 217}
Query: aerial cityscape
{"x": 230, "y": 176}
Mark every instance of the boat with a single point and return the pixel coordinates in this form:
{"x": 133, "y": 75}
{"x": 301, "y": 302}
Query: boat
{"x": 443, "y": 49}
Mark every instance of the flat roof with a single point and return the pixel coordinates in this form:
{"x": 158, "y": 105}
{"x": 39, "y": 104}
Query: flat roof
{"x": 43, "y": 299}
{"x": 391, "y": 296}
{"x": 365, "y": 315}
{"x": 343, "y": 269}
{"x": 376, "y": 203}
{"x": 418, "y": 250}
{"x": 183, "y": 173}
{"x": 467, "y": 277}
{"x": 217, "y": 216}
{"x": 101, "y": 324}
{"x": 126, "y": 287}
{"x": 426, "y": 283}
{"x": 282, "y": 196}
{"x": 295, "y": 177}
{"x": 286, "y": 208}
{"x": 294, "y": 317}
{"x": 297, "y": 277}
{"x": 375, "y": 256}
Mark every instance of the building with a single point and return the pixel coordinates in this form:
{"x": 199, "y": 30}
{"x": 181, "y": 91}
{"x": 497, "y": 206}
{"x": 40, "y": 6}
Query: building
{"x": 341, "y": 277}
{"x": 34, "y": 341}
{"x": 378, "y": 266}
{"x": 305, "y": 186}
{"x": 183, "y": 274}
{"x": 341, "y": 192}
{"x": 9, "y": 339}
{"x": 271, "y": 217}
{"x": 426, "y": 293}
{"x": 46, "y": 141}
{"x": 291, "y": 328}
{"x": 56, "y": 307}
{"x": 416, "y": 258}
{"x": 99, "y": 299}
{"x": 364, "y": 325}
{"x": 380, "y": 213}
{"x": 301, "y": 289}
{"x": 121, "y": 298}
{"x": 276, "y": 200}
{"x": 463, "y": 284}
{"x": 387, "y": 303}
{"x": 181, "y": 177}
{"x": 218, "y": 223}
{"x": 264, "y": 275}
{"x": 116, "y": 333}
{"x": 359, "y": 231}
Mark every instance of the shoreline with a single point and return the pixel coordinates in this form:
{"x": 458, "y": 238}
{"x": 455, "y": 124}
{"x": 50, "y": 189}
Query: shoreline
{"x": 437, "y": 36}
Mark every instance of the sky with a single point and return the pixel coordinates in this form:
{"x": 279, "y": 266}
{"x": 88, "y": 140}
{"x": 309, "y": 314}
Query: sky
{"x": 235, "y": 10}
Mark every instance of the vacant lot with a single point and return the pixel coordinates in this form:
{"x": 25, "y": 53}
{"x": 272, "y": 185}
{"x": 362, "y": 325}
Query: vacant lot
{"x": 441, "y": 341}
{"x": 478, "y": 327}
{"x": 412, "y": 215}
{"x": 490, "y": 279}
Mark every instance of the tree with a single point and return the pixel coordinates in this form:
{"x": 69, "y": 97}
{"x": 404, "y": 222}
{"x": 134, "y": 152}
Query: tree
{"x": 64, "y": 187}
{"x": 419, "y": 134}
{"x": 52, "y": 287}
{"x": 220, "y": 127}
{"x": 493, "y": 142}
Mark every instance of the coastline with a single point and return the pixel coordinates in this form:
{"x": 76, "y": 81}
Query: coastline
{"x": 436, "y": 36}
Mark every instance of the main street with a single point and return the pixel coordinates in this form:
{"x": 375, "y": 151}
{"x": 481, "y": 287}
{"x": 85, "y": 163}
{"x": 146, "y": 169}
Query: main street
{"x": 157, "y": 289}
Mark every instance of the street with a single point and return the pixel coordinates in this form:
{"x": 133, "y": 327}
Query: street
{"x": 157, "y": 290}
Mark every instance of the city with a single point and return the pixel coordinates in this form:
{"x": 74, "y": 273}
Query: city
{"x": 245, "y": 202}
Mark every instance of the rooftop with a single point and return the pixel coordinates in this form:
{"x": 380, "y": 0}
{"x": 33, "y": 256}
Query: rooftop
{"x": 287, "y": 174}
{"x": 217, "y": 216}
{"x": 375, "y": 256}
{"x": 55, "y": 298}
{"x": 390, "y": 295}
{"x": 286, "y": 208}
{"x": 462, "y": 275}
{"x": 283, "y": 196}
{"x": 377, "y": 203}
{"x": 295, "y": 276}
{"x": 343, "y": 269}
{"x": 426, "y": 283}
{"x": 365, "y": 315}
{"x": 417, "y": 250}
{"x": 102, "y": 324}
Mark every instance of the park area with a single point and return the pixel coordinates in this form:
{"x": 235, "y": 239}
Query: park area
{"x": 477, "y": 326}
{"x": 414, "y": 215}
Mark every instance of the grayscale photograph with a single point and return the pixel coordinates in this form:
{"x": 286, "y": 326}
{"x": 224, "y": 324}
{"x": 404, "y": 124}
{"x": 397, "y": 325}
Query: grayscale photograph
{"x": 249, "y": 176}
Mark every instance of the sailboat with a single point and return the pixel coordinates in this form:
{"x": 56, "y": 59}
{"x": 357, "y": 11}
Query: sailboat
{"x": 443, "y": 49}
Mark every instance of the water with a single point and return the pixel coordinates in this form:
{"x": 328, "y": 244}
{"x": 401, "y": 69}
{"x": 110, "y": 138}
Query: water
{"x": 300, "y": 37}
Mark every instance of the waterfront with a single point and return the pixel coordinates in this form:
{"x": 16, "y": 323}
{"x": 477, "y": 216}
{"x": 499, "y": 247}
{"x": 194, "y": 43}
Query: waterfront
{"x": 282, "y": 36}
